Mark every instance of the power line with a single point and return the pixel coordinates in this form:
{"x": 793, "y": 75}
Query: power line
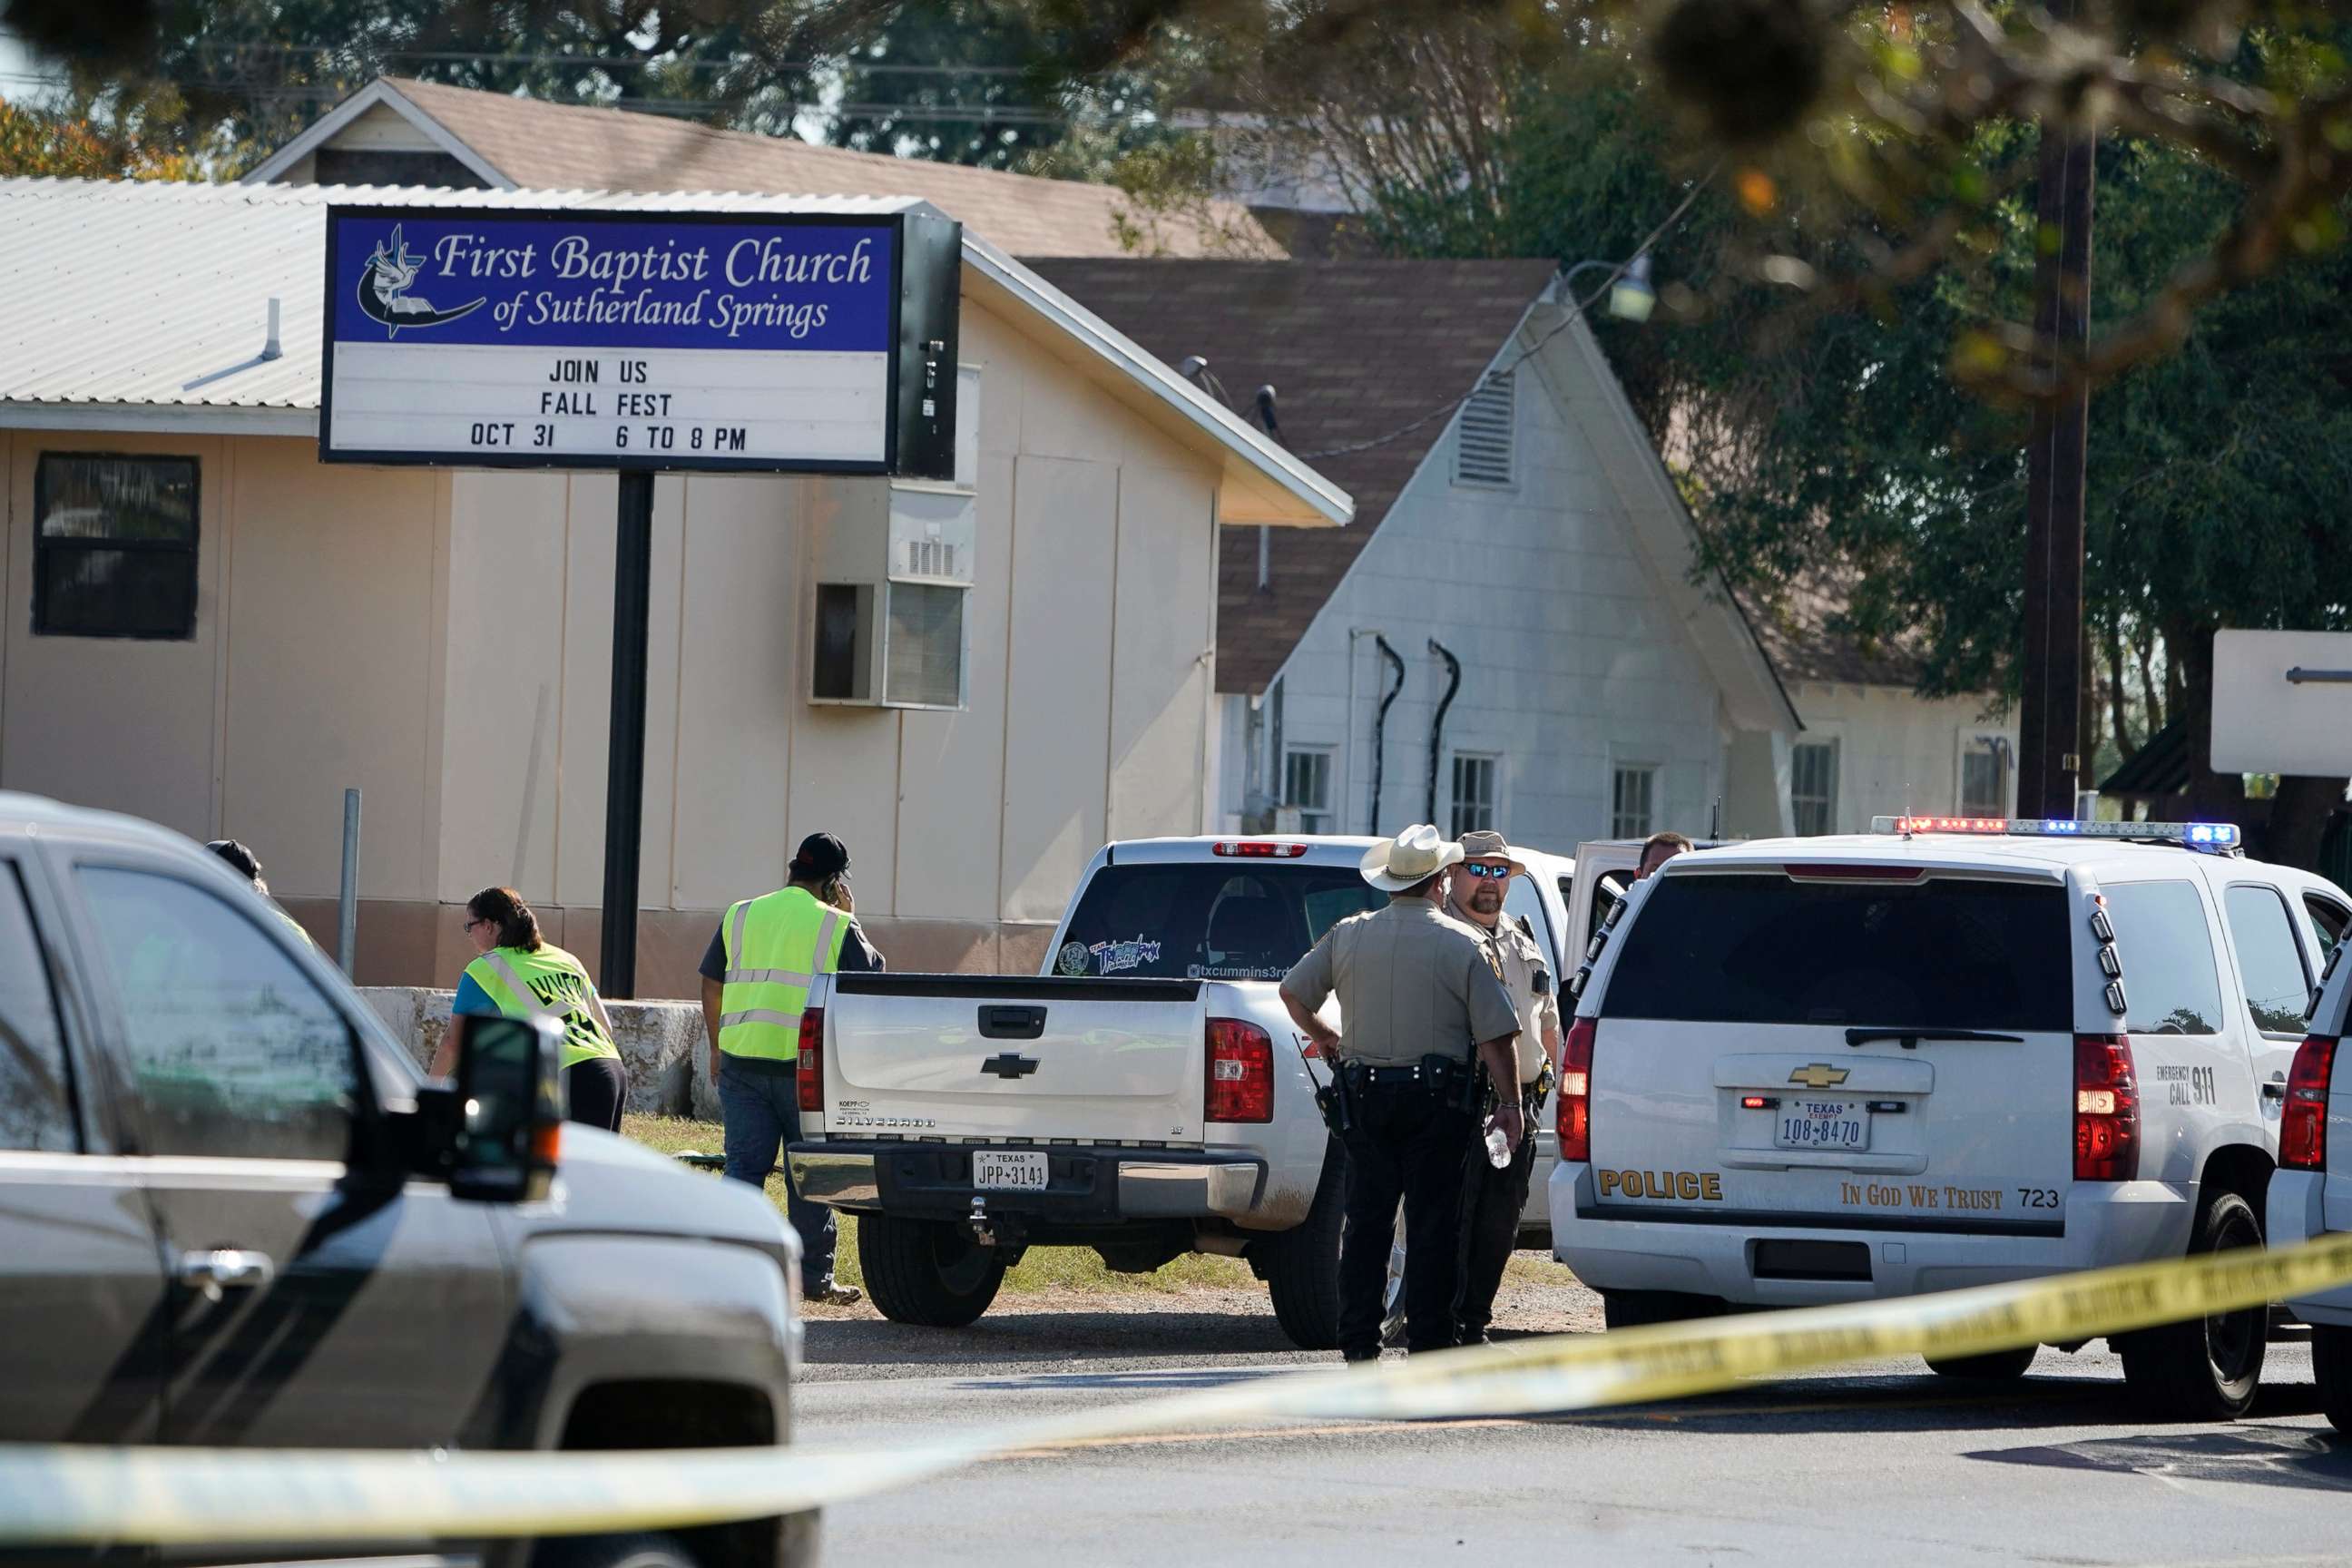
{"x": 1447, "y": 409}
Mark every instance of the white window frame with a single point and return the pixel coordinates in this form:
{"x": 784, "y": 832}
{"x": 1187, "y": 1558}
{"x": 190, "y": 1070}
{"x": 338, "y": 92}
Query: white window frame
{"x": 1835, "y": 747}
{"x": 1969, "y": 741}
{"x": 1493, "y": 804}
{"x": 1310, "y": 810}
{"x": 1621, "y": 765}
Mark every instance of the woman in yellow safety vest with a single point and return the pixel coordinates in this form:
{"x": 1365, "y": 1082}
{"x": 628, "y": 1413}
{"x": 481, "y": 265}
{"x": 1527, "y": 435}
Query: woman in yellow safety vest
{"x": 520, "y": 974}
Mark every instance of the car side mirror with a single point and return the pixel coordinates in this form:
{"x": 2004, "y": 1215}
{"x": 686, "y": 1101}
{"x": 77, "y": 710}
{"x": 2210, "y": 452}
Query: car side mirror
{"x": 506, "y": 1123}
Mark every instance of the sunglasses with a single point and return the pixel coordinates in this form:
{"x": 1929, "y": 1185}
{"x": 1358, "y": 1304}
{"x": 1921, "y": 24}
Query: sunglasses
{"x": 1491, "y": 873}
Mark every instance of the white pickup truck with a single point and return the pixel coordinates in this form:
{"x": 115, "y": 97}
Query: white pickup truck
{"x": 1145, "y": 1096}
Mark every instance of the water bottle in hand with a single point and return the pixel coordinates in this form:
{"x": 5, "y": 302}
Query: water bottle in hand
{"x": 1498, "y": 1148}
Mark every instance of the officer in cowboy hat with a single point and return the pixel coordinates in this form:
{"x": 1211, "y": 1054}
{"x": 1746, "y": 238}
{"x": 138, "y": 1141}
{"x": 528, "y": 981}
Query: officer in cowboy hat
{"x": 1421, "y": 1005}
{"x": 1496, "y": 1196}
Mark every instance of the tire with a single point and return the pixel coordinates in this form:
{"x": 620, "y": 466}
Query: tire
{"x": 927, "y": 1272}
{"x": 1993, "y": 1366}
{"x": 2331, "y": 1368}
{"x": 611, "y": 1552}
{"x": 2207, "y": 1369}
{"x": 1641, "y": 1309}
{"x": 1302, "y": 1266}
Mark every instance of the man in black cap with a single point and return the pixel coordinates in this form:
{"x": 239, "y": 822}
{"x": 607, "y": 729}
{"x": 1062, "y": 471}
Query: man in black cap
{"x": 756, "y": 976}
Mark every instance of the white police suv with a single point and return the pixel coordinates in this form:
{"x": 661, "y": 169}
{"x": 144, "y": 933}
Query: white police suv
{"x": 1951, "y": 1052}
{"x": 2311, "y": 1192}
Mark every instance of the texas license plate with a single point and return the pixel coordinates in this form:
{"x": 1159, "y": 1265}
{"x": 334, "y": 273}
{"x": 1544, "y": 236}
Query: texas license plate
{"x": 1823, "y": 1125}
{"x": 1024, "y": 1169}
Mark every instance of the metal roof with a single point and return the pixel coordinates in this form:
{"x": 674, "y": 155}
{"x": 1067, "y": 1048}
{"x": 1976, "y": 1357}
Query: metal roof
{"x": 146, "y": 304}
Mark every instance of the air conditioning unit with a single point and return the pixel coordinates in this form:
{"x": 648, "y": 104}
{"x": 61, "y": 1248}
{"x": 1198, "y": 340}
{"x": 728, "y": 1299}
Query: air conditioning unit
{"x": 893, "y": 574}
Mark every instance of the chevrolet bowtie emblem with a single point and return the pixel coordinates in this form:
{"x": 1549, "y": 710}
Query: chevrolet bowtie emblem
{"x": 1818, "y": 1075}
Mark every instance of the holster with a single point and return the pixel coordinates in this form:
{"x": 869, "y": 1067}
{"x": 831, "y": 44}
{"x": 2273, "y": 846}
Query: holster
{"x": 1458, "y": 1085}
{"x": 1336, "y": 1100}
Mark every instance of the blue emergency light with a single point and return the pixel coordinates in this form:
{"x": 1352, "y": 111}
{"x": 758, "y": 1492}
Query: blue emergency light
{"x": 2220, "y": 837}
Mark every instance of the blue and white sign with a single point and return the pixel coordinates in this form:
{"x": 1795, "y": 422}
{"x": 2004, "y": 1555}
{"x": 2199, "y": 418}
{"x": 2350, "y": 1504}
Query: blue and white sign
{"x": 672, "y": 340}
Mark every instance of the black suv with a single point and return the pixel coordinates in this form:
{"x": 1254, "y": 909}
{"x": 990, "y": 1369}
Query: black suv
{"x": 233, "y": 1214}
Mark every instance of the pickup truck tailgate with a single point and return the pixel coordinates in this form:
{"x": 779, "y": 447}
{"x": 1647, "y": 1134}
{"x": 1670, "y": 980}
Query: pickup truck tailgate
{"x": 1102, "y": 1061}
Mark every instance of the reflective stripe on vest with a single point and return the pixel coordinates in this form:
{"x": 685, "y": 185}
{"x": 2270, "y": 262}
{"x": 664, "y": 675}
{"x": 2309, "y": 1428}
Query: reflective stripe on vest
{"x": 562, "y": 996}
{"x": 776, "y": 946}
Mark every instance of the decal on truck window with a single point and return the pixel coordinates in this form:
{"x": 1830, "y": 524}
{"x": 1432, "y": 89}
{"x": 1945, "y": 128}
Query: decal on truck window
{"x": 1074, "y": 957}
{"x": 1231, "y": 972}
{"x": 1119, "y": 957}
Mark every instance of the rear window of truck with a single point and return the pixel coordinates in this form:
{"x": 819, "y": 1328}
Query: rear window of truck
{"x": 1184, "y": 922}
{"x": 1943, "y": 952}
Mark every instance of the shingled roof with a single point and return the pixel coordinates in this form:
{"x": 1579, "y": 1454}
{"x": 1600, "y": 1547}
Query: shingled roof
{"x": 1354, "y": 350}
{"x": 1801, "y": 635}
{"x": 519, "y": 143}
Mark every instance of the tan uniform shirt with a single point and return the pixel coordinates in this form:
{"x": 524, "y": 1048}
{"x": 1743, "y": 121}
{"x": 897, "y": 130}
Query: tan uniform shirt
{"x": 1539, "y": 1007}
{"x": 1411, "y": 981}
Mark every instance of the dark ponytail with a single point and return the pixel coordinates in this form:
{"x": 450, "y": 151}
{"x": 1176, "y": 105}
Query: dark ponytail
{"x": 504, "y": 908}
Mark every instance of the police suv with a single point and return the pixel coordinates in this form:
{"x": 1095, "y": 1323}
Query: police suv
{"x": 2311, "y": 1192}
{"x": 1952, "y": 1052}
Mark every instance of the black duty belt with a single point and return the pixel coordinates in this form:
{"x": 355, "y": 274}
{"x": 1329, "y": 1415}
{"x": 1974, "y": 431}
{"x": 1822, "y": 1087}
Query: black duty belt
{"x": 1413, "y": 1077}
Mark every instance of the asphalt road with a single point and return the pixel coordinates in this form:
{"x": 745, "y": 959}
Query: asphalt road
{"x": 1883, "y": 1463}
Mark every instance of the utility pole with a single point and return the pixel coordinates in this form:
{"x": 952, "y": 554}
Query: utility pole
{"x": 2052, "y": 756}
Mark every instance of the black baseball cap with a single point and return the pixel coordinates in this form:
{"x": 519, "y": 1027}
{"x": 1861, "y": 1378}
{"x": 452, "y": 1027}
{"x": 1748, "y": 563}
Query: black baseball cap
{"x": 246, "y": 864}
{"x": 821, "y": 856}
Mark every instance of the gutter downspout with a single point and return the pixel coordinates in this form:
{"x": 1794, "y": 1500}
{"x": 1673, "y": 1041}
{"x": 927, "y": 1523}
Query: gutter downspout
{"x": 1380, "y": 723}
{"x": 1437, "y": 725}
{"x": 1347, "y": 782}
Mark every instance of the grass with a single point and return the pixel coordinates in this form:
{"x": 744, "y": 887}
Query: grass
{"x": 1045, "y": 1268}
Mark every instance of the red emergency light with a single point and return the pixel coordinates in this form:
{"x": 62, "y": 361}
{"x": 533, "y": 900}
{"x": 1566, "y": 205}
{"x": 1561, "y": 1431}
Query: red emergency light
{"x": 1257, "y": 849}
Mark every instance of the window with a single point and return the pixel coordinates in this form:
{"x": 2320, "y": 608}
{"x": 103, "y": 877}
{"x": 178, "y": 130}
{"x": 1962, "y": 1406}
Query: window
{"x": 1984, "y": 776}
{"x": 923, "y": 661}
{"x": 2278, "y": 988}
{"x": 1632, "y": 795}
{"x": 235, "y": 1053}
{"x": 1306, "y": 787}
{"x": 1812, "y": 787}
{"x": 35, "y": 1102}
{"x": 114, "y": 548}
{"x": 1177, "y": 921}
{"x": 2328, "y": 922}
{"x": 2169, "y": 983}
{"x": 1482, "y": 438}
{"x": 1474, "y": 795}
{"x": 1743, "y": 949}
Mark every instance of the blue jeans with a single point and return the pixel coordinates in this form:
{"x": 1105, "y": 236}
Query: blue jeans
{"x": 762, "y": 1112}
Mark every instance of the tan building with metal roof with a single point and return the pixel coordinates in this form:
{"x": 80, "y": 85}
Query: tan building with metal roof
{"x": 216, "y": 630}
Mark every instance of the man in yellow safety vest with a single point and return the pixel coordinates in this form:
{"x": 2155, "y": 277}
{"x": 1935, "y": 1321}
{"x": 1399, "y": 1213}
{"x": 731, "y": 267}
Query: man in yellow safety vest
{"x": 756, "y": 976}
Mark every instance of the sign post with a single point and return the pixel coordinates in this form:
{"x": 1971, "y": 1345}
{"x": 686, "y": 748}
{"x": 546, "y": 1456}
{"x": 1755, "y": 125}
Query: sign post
{"x": 468, "y": 334}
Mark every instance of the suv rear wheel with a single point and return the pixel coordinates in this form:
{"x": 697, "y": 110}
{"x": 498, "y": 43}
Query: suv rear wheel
{"x": 927, "y": 1272}
{"x": 612, "y": 1552}
{"x": 2331, "y": 1368}
{"x": 2207, "y": 1369}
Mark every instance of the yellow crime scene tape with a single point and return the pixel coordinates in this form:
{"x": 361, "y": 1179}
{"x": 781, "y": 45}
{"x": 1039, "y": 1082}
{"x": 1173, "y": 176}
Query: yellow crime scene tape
{"x": 155, "y": 1496}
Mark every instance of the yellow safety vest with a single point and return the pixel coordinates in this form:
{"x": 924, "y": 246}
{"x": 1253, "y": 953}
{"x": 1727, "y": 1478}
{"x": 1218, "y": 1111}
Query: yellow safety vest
{"x": 549, "y": 984}
{"x": 776, "y": 947}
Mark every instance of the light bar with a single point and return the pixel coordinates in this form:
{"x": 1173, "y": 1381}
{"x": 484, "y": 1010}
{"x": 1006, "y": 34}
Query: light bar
{"x": 2195, "y": 834}
{"x": 1258, "y": 849}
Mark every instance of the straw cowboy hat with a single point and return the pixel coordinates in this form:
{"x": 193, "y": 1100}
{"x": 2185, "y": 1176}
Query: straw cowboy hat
{"x": 1492, "y": 847}
{"x": 1410, "y": 858}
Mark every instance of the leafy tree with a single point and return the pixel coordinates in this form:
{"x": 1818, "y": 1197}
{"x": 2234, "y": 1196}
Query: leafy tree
{"x": 75, "y": 143}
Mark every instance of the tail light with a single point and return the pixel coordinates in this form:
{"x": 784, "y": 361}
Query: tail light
{"x": 2106, "y": 1109}
{"x": 1241, "y": 1073}
{"x": 2303, "y": 1131}
{"x": 808, "y": 1073}
{"x": 1575, "y": 1115}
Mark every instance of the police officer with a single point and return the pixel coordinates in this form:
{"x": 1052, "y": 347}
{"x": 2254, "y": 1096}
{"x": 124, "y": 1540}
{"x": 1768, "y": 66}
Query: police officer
{"x": 1421, "y": 1007}
{"x": 756, "y": 976}
{"x": 520, "y": 974}
{"x": 1496, "y": 1198}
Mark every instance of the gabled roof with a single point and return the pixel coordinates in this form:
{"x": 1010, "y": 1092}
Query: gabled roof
{"x": 1799, "y": 629}
{"x": 136, "y": 305}
{"x": 1353, "y": 349}
{"x": 1361, "y": 350}
{"x": 517, "y": 143}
